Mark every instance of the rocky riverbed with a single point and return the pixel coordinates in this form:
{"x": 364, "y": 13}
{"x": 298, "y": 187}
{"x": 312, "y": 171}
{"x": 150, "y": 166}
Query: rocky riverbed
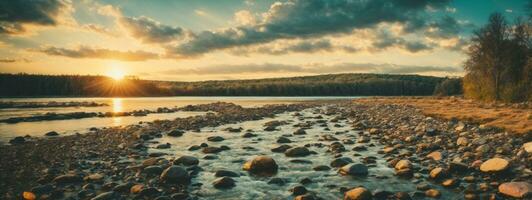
{"x": 327, "y": 150}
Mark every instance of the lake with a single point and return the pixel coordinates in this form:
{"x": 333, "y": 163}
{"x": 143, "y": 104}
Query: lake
{"x": 71, "y": 126}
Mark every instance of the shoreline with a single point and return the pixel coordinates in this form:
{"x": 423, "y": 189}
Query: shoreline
{"x": 403, "y": 133}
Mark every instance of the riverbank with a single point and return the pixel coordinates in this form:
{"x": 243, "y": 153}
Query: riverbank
{"x": 511, "y": 117}
{"x": 326, "y": 150}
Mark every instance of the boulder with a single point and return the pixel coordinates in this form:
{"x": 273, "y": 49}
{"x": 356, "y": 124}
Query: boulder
{"x": 222, "y": 173}
{"x": 354, "y": 170}
{"x": 215, "y": 139}
{"x": 297, "y": 152}
{"x": 223, "y": 183}
{"x": 516, "y": 189}
{"x": 403, "y": 164}
{"x": 176, "y": 133}
{"x": 494, "y": 165}
{"x": 261, "y": 165}
{"x": 359, "y": 193}
{"x": 186, "y": 160}
{"x": 283, "y": 140}
{"x": 281, "y": 149}
{"x": 175, "y": 174}
{"x": 340, "y": 162}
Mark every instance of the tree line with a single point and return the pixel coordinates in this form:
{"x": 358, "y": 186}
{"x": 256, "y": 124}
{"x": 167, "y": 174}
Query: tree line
{"x": 31, "y": 85}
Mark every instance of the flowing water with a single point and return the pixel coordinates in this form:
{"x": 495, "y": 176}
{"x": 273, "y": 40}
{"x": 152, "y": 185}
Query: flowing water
{"x": 65, "y": 127}
{"x": 325, "y": 183}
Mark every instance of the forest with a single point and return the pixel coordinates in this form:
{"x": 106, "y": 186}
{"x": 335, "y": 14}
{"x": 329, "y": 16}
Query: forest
{"x": 32, "y": 85}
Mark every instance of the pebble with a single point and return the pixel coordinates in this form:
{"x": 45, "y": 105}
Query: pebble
{"x": 359, "y": 193}
{"x": 494, "y": 165}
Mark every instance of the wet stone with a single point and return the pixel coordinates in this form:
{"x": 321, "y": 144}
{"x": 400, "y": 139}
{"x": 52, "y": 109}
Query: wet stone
{"x": 354, "y": 170}
{"x": 297, "y": 152}
{"x": 224, "y": 183}
{"x": 221, "y": 173}
{"x": 358, "y": 193}
{"x": 281, "y": 149}
{"x": 215, "y": 139}
{"x": 186, "y": 160}
{"x": 175, "y": 174}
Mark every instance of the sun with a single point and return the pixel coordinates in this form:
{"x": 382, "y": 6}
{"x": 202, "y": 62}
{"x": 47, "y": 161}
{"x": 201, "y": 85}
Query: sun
{"x": 116, "y": 74}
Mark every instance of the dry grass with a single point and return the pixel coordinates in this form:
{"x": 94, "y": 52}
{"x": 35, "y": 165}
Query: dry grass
{"x": 511, "y": 117}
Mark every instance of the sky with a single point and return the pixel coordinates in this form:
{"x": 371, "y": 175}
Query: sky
{"x": 242, "y": 39}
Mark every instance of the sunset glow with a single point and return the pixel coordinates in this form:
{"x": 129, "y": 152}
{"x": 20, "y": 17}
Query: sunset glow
{"x": 206, "y": 40}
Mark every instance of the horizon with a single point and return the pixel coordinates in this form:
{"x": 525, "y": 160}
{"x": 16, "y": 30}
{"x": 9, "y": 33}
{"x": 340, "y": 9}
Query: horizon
{"x": 241, "y": 40}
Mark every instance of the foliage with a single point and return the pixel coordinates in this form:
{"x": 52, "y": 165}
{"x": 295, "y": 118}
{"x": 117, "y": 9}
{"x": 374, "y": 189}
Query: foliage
{"x": 322, "y": 85}
{"x": 499, "y": 67}
{"x": 449, "y": 87}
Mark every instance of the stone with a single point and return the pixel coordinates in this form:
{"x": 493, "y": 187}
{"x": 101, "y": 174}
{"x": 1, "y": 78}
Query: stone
{"x": 340, "y": 162}
{"x": 17, "y": 140}
{"x": 277, "y": 181}
{"x": 403, "y": 164}
{"x": 223, "y": 183}
{"x": 29, "y": 196}
{"x": 450, "y": 182}
{"x": 176, "y": 133}
{"x": 307, "y": 196}
{"x": 94, "y": 177}
{"x": 175, "y": 174}
{"x": 153, "y": 170}
{"x": 354, "y": 170}
{"x": 494, "y": 165}
{"x": 186, "y": 160}
{"x": 321, "y": 168}
{"x": 222, "y": 173}
{"x": 211, "y": 150}
{"x": 262, "y": 166}
{"x": 528, "y": 147}
{"x": 300, "y": 132}
{"x": 249, "y": 135}
{"x": 297, "y": 152}
{"x": 437, "y": 173}
{"x": 135, "y": 189}
{"x": 283, "y": 140}
{"x": 163, "y": 146}
{"x": 215, "y": 139}
{"x": 462, "y": 141}
{"x": 359, "y": 193}
{"x": 68, "y": 179}
{"x": 433, "y": 193}
{"x": 435, "y": 155}
{"x": 281, "y": 149}
{"x": 516, "y": 189}
{"x": 51, "y": 133}
{"x": 298, "y": 190}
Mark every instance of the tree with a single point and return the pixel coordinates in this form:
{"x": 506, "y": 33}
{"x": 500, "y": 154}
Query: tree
{"x": 499, "y": 61}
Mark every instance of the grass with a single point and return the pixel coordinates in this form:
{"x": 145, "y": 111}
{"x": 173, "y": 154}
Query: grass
{"x": 515, "y": 118}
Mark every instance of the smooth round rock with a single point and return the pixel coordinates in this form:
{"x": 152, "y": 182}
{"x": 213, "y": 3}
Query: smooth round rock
{"x": 223, "y": 183}
{"x": 358, "y": 193}
{"x": 297, "y": 152}
{"x": 261, "y": 165}
{"x": 354, "y": 170}
{"x": 175, "y": 174}
{"x": 494, "y": 165}
{"x": 516, "y": 189}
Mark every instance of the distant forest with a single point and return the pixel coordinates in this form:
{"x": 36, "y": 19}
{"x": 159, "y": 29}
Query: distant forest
{"x": 28, "y": 85}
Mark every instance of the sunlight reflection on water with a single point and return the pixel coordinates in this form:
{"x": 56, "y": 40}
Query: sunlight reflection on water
{"x": 117, "y": 105}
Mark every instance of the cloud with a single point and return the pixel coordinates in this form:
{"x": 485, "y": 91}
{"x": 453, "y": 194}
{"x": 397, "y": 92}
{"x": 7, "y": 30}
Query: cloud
{"x": 314, "y": 69}
{"x": 88, "y": 52}
{"x": 304, "y": 46}
{"x": 99, "y": 29}
{"x": 303, "y": 19}
{"x": 150, "y": 31}
{"x": 13, "y": 60}
{"x": 385, "y": 39}
{"x": 16, "y": 14}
